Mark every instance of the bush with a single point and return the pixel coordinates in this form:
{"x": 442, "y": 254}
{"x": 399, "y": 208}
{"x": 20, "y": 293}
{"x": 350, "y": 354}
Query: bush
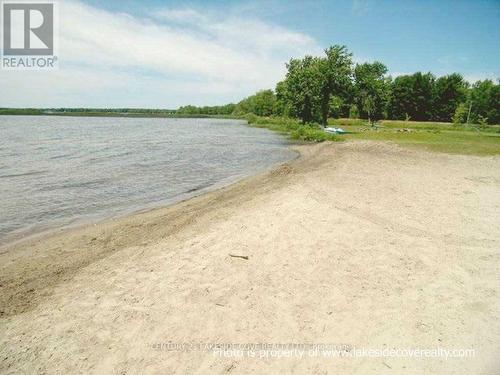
{"x": 354, "y": 112}
{"x": 482, "y": 121}
{"x": 460, "y": 116}
{"x": 251, "y": 118}
{"x": 312, "y": 132}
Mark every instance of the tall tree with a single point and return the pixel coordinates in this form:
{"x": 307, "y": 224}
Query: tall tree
{"x": 449, "y": 91}
{"x": 337, "y": 77}
{"x": 371, "y": 89}
{"x": 282, "y": 105}
{"x": 484, "y": 99}
{"x": 311, "y": 82}
{"x": 411, "y": 97}
{"x": 261, "y": 104}
{"x": 304, "y": 83}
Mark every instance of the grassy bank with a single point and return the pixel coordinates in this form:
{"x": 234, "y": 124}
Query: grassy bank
{"x": 435, "y": 136}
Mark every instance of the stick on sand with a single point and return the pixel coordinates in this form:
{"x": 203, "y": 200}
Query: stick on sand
{"x": 239, "y": 256}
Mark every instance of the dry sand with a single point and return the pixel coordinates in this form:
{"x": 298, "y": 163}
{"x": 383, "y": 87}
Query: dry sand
{"x": 365, "y": 244}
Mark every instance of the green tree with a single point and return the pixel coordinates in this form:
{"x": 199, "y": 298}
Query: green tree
{"x": 449, "y": 91}
{"x": 282, "y": 104}
{"x": 311, "y": 82}
{"x": 337, "y": 77}
{"x": 371, "y": 89}
{"x": 189, "y": 110}
{"x": 460, "y": 115}
{"x": 315, "y": 88}
{"x": 336, "y": 106}
{"x": 206, "y": 110}
{"x": 368, "y": 105}
{"x": 484, "y": 96}
{"x": 261, "y": 104}
{"x": 411, "y": 96}
{"x": 354, "y": 111}
{"x": 304, "y": 84}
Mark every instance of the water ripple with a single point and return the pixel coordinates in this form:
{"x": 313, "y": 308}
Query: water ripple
{"x": 58, "y": 170}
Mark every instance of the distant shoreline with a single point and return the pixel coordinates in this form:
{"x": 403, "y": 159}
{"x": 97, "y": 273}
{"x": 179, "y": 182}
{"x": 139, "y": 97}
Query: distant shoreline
{"x": 110, "y": 114}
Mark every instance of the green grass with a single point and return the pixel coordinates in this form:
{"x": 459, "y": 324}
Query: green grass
{"x": 435, "y": 136}
{"x": 441, "y": 137}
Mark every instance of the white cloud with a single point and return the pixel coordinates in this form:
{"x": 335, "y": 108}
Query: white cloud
{"x": 397, "y": 74}
{"x": 473, "y": 77}
{"x": 238, "y": 33}
{"x": 195, "y": 57}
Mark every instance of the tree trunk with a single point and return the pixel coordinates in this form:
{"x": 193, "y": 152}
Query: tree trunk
{"x": 325, "y": 103}
{"x": 306, "y": 113}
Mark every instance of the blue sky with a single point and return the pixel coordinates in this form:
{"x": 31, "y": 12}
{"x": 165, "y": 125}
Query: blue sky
{"x": 170, "y": 53}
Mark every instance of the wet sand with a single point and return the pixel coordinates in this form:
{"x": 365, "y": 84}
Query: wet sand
{"x": 362, "y": 243}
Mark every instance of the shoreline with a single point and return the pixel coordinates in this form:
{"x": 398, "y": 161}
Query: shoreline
{"x": 97, "y": 228}
{"x": 20, "y": 236}
{"x": 363, "y": 243}
{"x": 22, "y": 230}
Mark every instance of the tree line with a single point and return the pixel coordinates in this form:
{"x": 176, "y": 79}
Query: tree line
{"x": 317, "y": 88}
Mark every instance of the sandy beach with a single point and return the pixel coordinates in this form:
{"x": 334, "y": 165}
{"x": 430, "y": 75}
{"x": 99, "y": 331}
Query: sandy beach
{"x": 363, "y": 244}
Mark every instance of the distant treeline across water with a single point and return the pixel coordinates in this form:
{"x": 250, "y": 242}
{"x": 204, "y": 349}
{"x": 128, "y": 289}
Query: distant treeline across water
{"x": 112, "y": 112}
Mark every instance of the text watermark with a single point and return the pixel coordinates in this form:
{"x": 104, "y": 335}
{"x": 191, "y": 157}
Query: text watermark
{"x": 321, "y": 350}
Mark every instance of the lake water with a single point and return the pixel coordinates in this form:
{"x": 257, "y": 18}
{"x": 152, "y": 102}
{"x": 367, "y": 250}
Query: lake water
{"x": 59, "y": 171}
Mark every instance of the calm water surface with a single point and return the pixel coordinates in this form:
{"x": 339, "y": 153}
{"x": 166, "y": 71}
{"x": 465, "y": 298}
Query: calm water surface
{"x": 58, "y": 171}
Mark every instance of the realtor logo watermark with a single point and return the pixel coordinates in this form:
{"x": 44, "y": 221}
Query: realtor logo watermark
{"x": 29, "y": 35}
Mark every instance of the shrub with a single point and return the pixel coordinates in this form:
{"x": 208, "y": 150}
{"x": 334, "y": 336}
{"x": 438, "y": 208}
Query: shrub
{"x": 460, "y": 116}
{"x": 483, "y": 121}
{"x": 311, "y": 132}
{"x": 354, "y": 112}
